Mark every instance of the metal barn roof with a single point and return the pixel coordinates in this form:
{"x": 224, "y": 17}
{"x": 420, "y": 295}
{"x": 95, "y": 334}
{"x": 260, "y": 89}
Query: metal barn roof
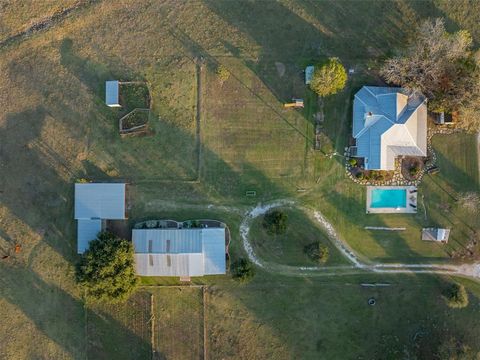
{"x": 87, "y": 230}
{"x": 100, "y": 201}
{"x": 112, "y": 93}
{"x": 179, "y": 252}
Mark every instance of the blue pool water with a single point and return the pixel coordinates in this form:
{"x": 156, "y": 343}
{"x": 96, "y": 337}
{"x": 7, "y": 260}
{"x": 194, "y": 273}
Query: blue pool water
{"x": 389, "y": 198}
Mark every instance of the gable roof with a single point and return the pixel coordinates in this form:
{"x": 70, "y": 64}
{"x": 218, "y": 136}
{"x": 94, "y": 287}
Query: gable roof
{"x": 388, "y": 123}
{"x": 100, "y": 201}
{"x": 179, "y": 252}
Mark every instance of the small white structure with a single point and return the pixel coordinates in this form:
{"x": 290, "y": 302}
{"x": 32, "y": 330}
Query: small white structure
{"x": 95, "y": 203}
{"x": 309, "y": 74}
{"x": 436, "y": 234}
{"x": 112, "y": 93}
{"x": 179, "y": 252}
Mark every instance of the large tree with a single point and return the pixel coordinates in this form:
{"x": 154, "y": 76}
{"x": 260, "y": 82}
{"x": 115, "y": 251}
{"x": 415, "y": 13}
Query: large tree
{"x": 106, "y": 271}
{"x": 329, "y": 77}
{"x": 444, "y": 68}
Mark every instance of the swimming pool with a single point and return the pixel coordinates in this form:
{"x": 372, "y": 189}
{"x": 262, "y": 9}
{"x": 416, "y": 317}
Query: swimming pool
{"x": 388, "y": 198}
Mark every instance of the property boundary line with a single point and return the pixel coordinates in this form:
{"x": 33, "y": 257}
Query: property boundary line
{"x": 205, "y": 337}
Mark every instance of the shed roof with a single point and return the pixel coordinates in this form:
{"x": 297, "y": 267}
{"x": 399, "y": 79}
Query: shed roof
{"x": 112, "y": 93}
{"x": 309, "y": 74}
{"x": 87, "y": 230}
{"x": 100, "y": 201}
{"x": 435, "y": 234}
{"x": 179, "y": 252}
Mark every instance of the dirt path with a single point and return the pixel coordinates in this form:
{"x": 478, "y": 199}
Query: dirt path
{"x": 357, "y": 265}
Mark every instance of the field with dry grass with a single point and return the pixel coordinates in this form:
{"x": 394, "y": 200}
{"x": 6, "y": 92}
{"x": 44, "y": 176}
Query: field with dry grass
{"x": 210, "y": 143}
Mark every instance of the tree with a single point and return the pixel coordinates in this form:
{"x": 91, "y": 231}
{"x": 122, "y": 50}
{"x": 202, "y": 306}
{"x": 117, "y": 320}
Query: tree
{"x": 222, "y": 73}
{"x": 329, "y": 78}
{"x": 275, "y": 222}
{"x": 243, "y": 270}
{"x": 441, "y": 66}
{"x": 317, "y": 252}
{"x": 106, "y": 271}
{"x": 456, "y": 296}
{"x": 454, "y": 349}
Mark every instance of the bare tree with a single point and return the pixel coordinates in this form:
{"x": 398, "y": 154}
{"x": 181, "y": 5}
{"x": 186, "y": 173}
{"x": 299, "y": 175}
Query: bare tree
{"x": 442, "y": 66}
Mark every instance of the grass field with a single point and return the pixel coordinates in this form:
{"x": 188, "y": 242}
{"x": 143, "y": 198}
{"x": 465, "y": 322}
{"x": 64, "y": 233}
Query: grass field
{"x": 211, "y": 143}
{"x": 288, "y": 248}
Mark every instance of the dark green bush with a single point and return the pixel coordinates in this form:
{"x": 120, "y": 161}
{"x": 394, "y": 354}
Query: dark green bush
{"x": 317, "y": 252}
{"x": 243, "y": 270}
{"x": 275, "y": 222}
{"x": 456, "y": 296}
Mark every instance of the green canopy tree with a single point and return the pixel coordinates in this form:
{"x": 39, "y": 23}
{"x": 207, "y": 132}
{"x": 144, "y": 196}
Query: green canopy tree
{"x": 106, "y": 271}
{"x": 456, "y": 296}
{"x": 329, "y": 78}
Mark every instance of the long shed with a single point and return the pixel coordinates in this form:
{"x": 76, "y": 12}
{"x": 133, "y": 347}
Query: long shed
{"x": 179, "y": 252}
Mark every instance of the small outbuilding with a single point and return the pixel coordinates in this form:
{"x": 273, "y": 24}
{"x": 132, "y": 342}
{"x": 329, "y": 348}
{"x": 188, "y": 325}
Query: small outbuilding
{"x": 112, "y": 93}
{"x": 309, "y": 74}
{"x": 94, "y": 203}
{"x": 179, "y": 252}
{"x": 435, "y": 234}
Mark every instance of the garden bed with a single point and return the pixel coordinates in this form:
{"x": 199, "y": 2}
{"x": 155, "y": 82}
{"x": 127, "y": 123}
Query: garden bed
{"x": 135, "y": 121}
{"x": 412, "y": 167}
{"x": 134, "y": 95}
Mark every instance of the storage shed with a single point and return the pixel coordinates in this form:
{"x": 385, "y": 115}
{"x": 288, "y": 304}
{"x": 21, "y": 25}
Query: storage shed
{"x": 179, "y": 252}
{"x": 309, "y": 74}
{"x": 112, "y": 93}
{"x": 435, "y": 234}
{"x": 94, "y": 203}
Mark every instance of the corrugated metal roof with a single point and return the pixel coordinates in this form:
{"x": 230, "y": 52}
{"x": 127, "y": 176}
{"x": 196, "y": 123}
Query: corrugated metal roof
{"x": 111, "y": 93}
{"x": 377, "y": 114}
{"x": 179, "y": 252}
{"x": 87, "y": 230}
{"x": 171, "y": 241}
{"x": 100, "y": 201}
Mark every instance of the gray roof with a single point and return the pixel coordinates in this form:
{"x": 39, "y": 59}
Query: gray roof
{"x": 388, "y": 123}
{"x": 111, "y": 93}
{"x": 435, "y": 234}
{"x": 179, "y": 252}
{"x": 87, "y": 230}
{"x": 100, "y": 201}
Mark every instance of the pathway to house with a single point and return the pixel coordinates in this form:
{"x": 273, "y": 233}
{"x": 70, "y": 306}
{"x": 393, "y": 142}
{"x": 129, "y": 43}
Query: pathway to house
{"x": 358, "y": 264}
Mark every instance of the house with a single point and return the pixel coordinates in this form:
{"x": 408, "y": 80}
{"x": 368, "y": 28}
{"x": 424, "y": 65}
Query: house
{"x": 112, "y": 93}
{"x": 309, "y": 74}
{"x": 388, "y": 123}
{"x": 95, "y": 203}
{"x": 435, "y": 234}
{"x": 179, "y": 252}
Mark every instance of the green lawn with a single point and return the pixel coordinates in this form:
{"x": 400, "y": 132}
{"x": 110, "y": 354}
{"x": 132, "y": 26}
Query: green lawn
{"x": 288, "y": 248}
{"x": 55, "y": 129}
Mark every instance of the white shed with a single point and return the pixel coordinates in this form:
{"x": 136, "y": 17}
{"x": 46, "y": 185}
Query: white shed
{"x": 112, "y": 93}
{"x": 309, "y": 74}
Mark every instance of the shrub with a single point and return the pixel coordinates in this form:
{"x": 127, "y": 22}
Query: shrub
{"x": 222, "y": 73}
{"x": 275, "y": 222}
{"x": 352, "y": 161}
{"x": 456, "y": 296}
{"x": 414, "y": 170}
{"x": 317, "y": 252}
{"x": 360, "y": 175}
{"x": 106, "y": 271}
{"x": 243, "y": 270}
{"x": 329, "y": 78}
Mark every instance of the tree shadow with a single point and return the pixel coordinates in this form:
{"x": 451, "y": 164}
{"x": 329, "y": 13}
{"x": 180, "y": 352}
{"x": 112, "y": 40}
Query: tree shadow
{"x": 63, "y": 318}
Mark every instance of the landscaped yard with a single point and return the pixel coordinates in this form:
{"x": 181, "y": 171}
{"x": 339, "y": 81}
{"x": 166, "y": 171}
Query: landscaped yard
{"x": 56, "y": 129}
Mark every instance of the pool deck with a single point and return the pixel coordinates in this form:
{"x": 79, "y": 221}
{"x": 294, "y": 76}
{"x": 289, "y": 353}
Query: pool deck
{"x": 411, "y": 200}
